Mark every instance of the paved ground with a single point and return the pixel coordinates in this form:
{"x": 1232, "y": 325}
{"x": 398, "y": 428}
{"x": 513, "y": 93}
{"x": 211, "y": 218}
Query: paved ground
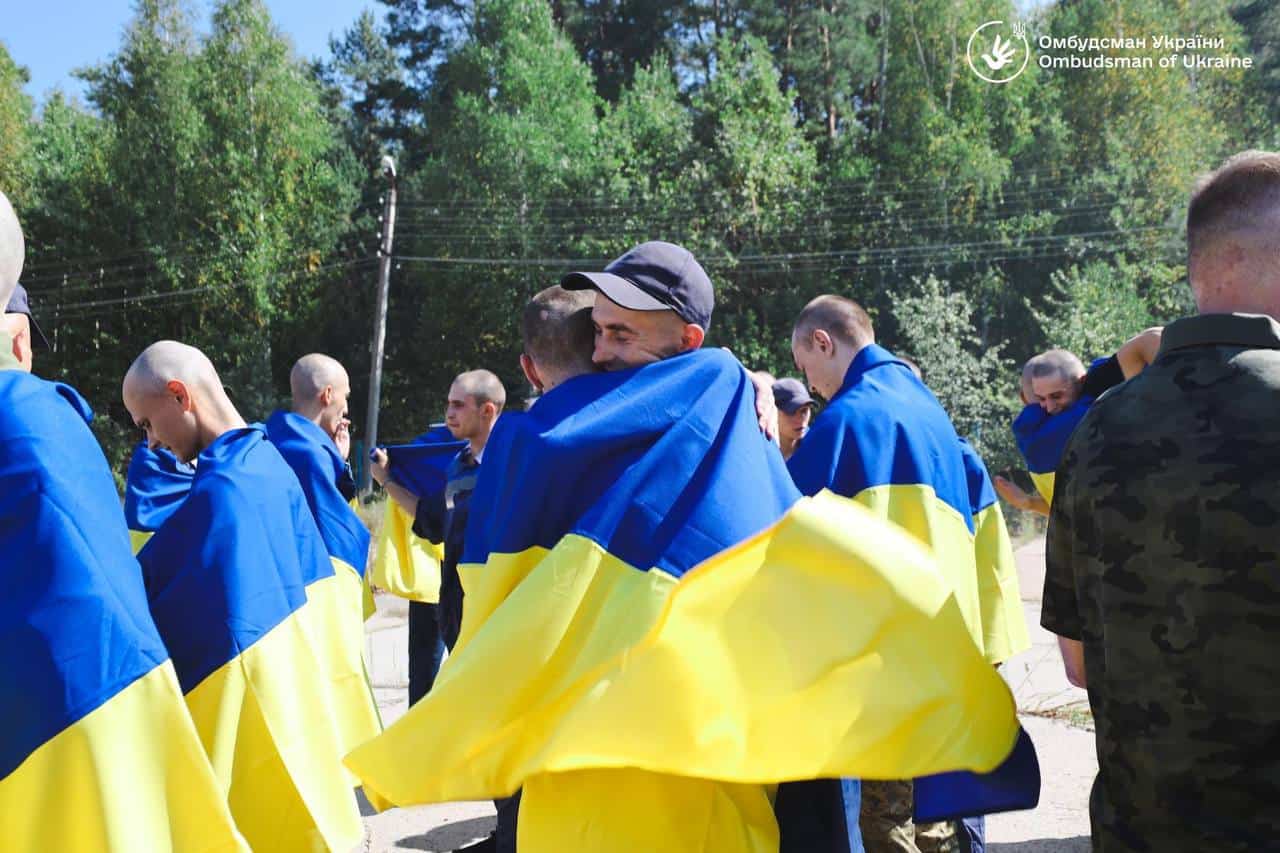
{"x": 1047, "y": 702}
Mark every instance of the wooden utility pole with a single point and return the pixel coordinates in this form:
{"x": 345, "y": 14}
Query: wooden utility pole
{"x": 380, "y": 317}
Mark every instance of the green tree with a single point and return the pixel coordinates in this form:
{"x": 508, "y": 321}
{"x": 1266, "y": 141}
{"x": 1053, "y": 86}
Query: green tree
{"x": 973, "y": 382}
{"x": 15, "y": 130}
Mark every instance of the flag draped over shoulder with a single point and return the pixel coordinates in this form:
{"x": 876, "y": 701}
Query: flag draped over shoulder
{"x": 227, "y": 579}
{"x": 318, "y": 465}
{"x": 155, "y": 486}
{"x": 576, "y": 658}
{"x": 1042, "y": 437}
{"x": 885, "y": 441}
{"x": 336, "y": 600}
{"x": 98, "y": 750}
{"x": 1004, "y": 626}
{"x": 404, "y": 564}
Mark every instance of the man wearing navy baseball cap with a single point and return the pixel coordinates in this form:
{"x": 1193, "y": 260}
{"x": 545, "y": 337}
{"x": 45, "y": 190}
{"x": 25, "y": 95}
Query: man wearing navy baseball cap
{"x": 21, "y": 326}
{"x": 658, "y": 303}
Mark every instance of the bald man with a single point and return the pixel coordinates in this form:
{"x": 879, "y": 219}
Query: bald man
{"x": 885, "y": 441}
{"x": 312, "y": 439}
{"x": 476, "y": 399}
{"x": 230, "y": 578}
{"x": 98, "y": 751}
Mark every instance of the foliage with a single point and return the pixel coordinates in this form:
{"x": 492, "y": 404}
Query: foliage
{"x": 218, "y": 190}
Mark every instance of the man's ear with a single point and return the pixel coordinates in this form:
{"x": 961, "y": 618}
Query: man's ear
{"x": 531, "y": 372}
{"x": 692, "y": 336}
{"x": 823, "y": 342}
{"x": 326, "y": 396}
{"x": 22, "y": 343}
{"x": 180, "y": 393}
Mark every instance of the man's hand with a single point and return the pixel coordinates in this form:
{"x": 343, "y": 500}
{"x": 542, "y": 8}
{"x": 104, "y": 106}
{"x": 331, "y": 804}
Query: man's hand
{"x": 378, "y": 462}
{"x": 1139, "y": 351}
{"x": 766, "y": 409}
{"x": 1016, "y": 496}
{"x": 342, "y": 438}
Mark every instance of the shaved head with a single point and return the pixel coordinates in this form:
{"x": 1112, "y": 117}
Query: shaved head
{"x": 483, "y": 385}
{"x": 312, "y": 373}
{"x": 1233, "y": 236}
{"x": 557, "y": 334}
{"x": 320, "y": 388}
{"x": 173, "y": 393}
{"x": 843, "y": 319}
{"x": 163, "y": 361}
{"x": 12, "y": 250}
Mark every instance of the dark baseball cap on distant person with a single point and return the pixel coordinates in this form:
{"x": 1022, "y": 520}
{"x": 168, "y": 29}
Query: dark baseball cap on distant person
{"x": 790, "y": 394}
{"x": 20, "y": 304}
{"x": 654, "y": 276}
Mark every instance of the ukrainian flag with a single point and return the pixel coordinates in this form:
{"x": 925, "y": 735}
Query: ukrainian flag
{"x": 885, "y": 441}
{"x": 227, "y": 580}
{"x": 639, "y": 719}
{"x": 336, "y": 598}
{"x": 98, "y": 751}
{"x": 405, "y": 564}
{"x": 1042, "y": 438}
{"x": 1004, "y": 626}
{"x": 155, "y": 486}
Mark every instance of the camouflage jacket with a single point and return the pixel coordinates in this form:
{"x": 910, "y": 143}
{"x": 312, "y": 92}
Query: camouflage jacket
{"x": 1163, "y": 558}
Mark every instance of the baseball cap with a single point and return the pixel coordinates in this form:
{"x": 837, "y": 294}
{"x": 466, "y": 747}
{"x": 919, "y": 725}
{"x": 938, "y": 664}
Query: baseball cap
{"x": 790, "y": 394}
{"x": 653, "y": 276}
{"x": 20, "y": 304}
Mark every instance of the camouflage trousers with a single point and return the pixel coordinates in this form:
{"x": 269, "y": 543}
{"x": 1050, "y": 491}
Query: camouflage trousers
{"x": 887, "y": 826}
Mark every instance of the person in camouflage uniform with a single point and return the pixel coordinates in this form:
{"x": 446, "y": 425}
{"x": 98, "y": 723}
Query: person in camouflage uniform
{"x": 1163, "y": 559}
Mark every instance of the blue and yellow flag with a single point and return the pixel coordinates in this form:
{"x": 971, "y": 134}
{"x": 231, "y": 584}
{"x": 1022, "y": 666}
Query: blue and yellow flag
{"x": 228, "y": 579}
{"x": 1004, "y": 625}
{"x": 155, "y": 486}
{"x": 886, "y": 442}
{"x": 98, "y": 751}
{"x": 337, "y": 600}
{"x": 639, "y": 719}
{"x": 405, "y": 564}
{"x": 1042, "y": 437}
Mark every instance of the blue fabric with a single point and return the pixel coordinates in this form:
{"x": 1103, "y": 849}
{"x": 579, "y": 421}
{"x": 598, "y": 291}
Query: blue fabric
{"x": 1042, "y": 437}
{"x": 883, "y": 427}
{"x": 155, "y": 485}
{"x": 1013, "y": 786}
{"x": 320, "y": 469}
{"x": 422, "y": 467}
{"x": 234, "y": 560}
{"x": 663, "y": 466}
{"x": 74, "y": 627}
{"x": 982, "y": 492}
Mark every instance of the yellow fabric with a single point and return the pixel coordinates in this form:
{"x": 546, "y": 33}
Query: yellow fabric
{"x": 1004, "y": 625}
{"x": 130, "y": 775}
{"x": 609, "y": 811}
{"x": 404, "y": 564}
{"x": 334, "y": 612}
{"x": 265, "y": 723}
{"x": 1044, "y": 485}
{"x": 138, "y": 538}
{"x": 918, "y": 510}
{"x": 829, "y": 645}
